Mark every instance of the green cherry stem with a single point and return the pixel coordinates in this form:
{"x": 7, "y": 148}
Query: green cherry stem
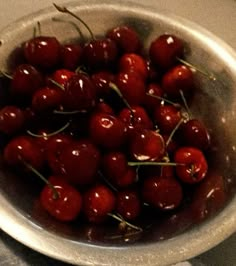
{"x": 173, "y": 132}
{"x": 65, "y": 10}
{"x": 5, "y": 74}
{"x": 56, "y": 84}
{"x": 163, "y": 99}
{"x": 185, "y": 103}
{"x": 58, "y": 112}
{"x": 154, "y": 163}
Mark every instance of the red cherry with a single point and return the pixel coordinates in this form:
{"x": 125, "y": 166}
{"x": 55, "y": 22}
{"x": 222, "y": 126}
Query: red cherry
{"x": 178, "y": 78}
{"x": 100, "y": 54}
{"x": 117, "y": 171}
{"x": 46, "y": 99}
{"x": 23, "y": 149}
{"x": 26, "y": 80}
{"x": 66, "y": 204}
{"x": 154, "y": 74}
{"x": 102, "y": 80}
{"x": 165, "y": 49}
{"x": 60, "y": 76}
{"x": 194, "y": 165}
{"x": 102, "y": 107}
{"x": 147, "y": 145}
{"x": 12, "y": 119}
{"x": 194, "y": 133}
{"x": 79, "y": 93}
{"x": 98, "y": 202}
{"x": 55, "y": 145}
{"x": 150, "y": 102}
{"x": 131, "y": 86}
{"x": 126, "y": 38}
{"x": 162, "y": 192}
{"x": 128, "y": 204}
{"x": 107, "y": 131}
{"x": 167, "y": 117}
{"x": 43, "y": 51}
{"x": 131, "y": 62}
{"x": 71, "y": 56}
{"x": 80, "y": 161}
{"x": 135, "y": 120}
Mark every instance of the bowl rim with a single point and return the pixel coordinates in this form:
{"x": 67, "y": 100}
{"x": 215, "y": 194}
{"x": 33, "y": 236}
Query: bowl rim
{"x": 173, "y": 250}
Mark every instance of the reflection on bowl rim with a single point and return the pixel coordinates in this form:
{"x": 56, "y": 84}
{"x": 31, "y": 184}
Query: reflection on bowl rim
{"x": 166, "y": 252}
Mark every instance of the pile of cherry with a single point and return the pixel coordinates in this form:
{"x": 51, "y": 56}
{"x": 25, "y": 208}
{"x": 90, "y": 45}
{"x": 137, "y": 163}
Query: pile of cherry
{"x": 108, "y": 122}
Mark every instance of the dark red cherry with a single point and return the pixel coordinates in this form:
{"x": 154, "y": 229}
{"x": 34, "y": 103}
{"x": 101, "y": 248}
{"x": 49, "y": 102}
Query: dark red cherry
{"x": 193, "y": 166}
{"x": 117, "y": 171}
{"x": 209, "y": 197}
{"x": 60, "y": 76}
{"x": 102, "y": 80}
{"x": 147, "y": 145}
{"x": 47, "y": 99}
{"x": 100, "y": 53}
{"x": 150, "y": 102}
{"x": 26, "y": 80}
{"x": 167, "y": 118}
{"x": 80, "y": 161}
{"x": 55, "y": 145}
{"x": 178, "y": 78}
{"x": 102, "y": 107}
{"x": 154, "y": 73}
{"x": 131, "y": 86}
{"x": 107, "y": 130}
{"x": 12, "y": 119}
{"x": 79, "y": 93}
{"x": 135, "y": 120}
{"x": 64, "y": 204}
{"x": 43, "y": 52}
{"x": 131, "y": 62}
{"x": 98, "y": 202}
{"x": 165, "y": 49}
{"x": 126, "y": 38}
{"x": 194, "y": 133}
{"x": 71, "y": 56}
{"x": 128, "y": 204}
{"x": 162, "y": 192}
{"x": 23, "y": 149}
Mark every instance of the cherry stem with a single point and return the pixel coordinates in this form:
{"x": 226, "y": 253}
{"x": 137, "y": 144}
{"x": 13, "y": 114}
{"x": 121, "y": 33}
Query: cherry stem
{"x": 73, "y": 24}
{"x": 154, "y": 163}
{"x": 57, "y": 84}
{"x": 122, "y": 220}
{"x": 81, "y": 70}
{"x": 65, "y": 10}
{"x": 163, "y": 99}
{"x": 69, "y": 112}
{"x": 106, "y": 181}
{"x": 173, "y": 132}
{"x": 49, "y": 134}
{"x": 5, "y": 74}
{"x": 205, "y": 73}
{"x": 118, "y": 92}
{"x": 36, "y": 172}
{"x": 185, "y": 102}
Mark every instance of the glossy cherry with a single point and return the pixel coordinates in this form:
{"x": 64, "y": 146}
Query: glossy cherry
{"x": 150, "y": 102}
{"x": 23, "y": 149}
{"x": 107, "y": 131}
{"x": 100, "y": 54}
{"x": 65, "y": 205}
{"x": 178, "y": 78}
{"x": 126, "y": 38}
{"x": 128, "y": 204}
{"x": 102, "y": 107}
{"x": 71, "y": 56}
{"x": 80, "y": 162}
{"x": 117, "y": 171}
{"x": 12, "y": 119}
{"x": 60, "y": 76}
{"x": 98, "y": 202}
{"x": 165, "y": 49}
{"x": 147, "y": 145}
{"x": 79, "y": 93}
{"x": 43, "y": 51}
{"x": 102, "y": 80}
{"x": 193, "y": 166}
{"x": 131, "y": 86}
{"x": 162, "y": 192}
{"x": 167, "y": 118}
{"x": 26, "y": 80}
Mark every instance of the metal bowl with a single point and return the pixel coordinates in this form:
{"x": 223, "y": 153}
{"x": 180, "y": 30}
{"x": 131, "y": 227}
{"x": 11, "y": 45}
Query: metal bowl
{"x": 214, "y": 103}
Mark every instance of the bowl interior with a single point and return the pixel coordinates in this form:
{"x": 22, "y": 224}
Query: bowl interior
{"x": 214, "y": 103}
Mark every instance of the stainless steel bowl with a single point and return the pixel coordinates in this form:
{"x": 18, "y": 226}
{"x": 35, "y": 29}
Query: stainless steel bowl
{"x": 215, "y": 103}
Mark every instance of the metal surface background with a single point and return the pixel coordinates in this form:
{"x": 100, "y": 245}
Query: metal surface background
{"x": 218, "y": 17}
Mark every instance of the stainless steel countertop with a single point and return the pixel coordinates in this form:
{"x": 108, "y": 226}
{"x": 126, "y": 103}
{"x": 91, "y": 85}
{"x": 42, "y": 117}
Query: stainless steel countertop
{"x": 219, "y": 17}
